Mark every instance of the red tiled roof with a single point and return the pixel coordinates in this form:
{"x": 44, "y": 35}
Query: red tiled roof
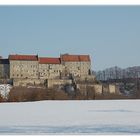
{"x": 75, "y": 58}
{"x": 23, "y": 57}
{"x": 70, "y": 58}
{"x": 48, "y": 60}
{"x": 84, "y": 57}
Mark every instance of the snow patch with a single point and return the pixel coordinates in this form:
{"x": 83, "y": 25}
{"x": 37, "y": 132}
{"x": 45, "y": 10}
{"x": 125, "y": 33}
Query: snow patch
{"x": 4, "y": 90}
{"x": 71, "y": 117}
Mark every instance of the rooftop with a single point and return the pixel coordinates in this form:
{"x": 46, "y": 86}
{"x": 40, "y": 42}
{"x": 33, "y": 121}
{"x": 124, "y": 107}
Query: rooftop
{"x": 48, "y": 60}
{"x": 75, "y": 58}
{"x": 23, "y": 57}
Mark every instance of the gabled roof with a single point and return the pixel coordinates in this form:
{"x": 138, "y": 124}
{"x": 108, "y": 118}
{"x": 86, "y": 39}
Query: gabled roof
{"x": 48, "y": 60}
{"x": 24, "y": 57}
{"x": 4, "y": 61}
{"x": 75, "y": 58}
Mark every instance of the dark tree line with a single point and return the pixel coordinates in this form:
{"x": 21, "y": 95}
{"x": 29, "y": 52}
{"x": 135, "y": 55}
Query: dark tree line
{"x": 118, "y": 73}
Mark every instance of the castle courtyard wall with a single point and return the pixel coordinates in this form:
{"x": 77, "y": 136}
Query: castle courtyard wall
{"x": 58, "y": 82}
{"x": 28, "y": 82}
{"x": 99, "y": 89}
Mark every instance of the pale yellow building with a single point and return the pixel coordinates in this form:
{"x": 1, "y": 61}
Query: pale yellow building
{"x": 76, "y": 65}
{"x": 50, "y": 68}
{"x": 30, "y": 66}
{"x": 23, "y": 66}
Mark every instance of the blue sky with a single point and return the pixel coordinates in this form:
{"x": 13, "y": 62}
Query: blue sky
{"x": 110, "y": 34}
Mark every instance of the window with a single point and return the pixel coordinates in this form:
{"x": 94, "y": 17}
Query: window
{"x": 50, "y": 66}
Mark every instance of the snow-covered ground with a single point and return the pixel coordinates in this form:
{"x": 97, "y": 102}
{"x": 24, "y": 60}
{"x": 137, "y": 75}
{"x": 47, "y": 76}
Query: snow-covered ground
{"x": 71, "y": 117}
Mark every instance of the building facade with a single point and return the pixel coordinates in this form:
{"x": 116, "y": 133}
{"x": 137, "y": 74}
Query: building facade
{"x": 4, "y": 68}
{"x": 23, "y": 66}
{"x": 34, "y": 67}
{"x": 50, "y": 68}
{"x": 76, "y": 65}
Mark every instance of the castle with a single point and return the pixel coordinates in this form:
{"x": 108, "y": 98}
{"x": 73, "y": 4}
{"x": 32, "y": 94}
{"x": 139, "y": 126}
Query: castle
{"x": 32, "y": 70}
{"x": 25, "y": 69}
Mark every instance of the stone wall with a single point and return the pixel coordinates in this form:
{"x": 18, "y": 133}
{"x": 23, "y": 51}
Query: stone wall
{"x": 112, "y": 89}
{"x": 99, "y": 89}
{"x": 49, "y": 71}
{"x": 50, "y": 83}
{"x": 86, "y": 79}
{"x": 32, "y": 69}
{"x": 77, "y": 69}
{"x": 23, "y": 69}
{"x": 57, "y": 82}
{"x": 83, "y": 88}
{"x": 26, "y": 82}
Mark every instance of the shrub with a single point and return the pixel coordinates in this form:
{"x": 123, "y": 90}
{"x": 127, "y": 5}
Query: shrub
{"x": 23, "y": 94}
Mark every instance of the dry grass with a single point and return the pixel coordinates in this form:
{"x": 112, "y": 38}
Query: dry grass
{"x": 113, "y": 97}
{"x": 1, "y": 99}
{"x": 23, "y": 94}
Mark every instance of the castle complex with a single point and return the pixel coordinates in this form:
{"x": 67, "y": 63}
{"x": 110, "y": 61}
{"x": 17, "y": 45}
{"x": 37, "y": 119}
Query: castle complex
{"x": 67, "y": 70}
{"x": 21, "y": 67}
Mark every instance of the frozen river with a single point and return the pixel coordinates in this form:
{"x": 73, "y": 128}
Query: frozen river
{"x": 71, "y": 117}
